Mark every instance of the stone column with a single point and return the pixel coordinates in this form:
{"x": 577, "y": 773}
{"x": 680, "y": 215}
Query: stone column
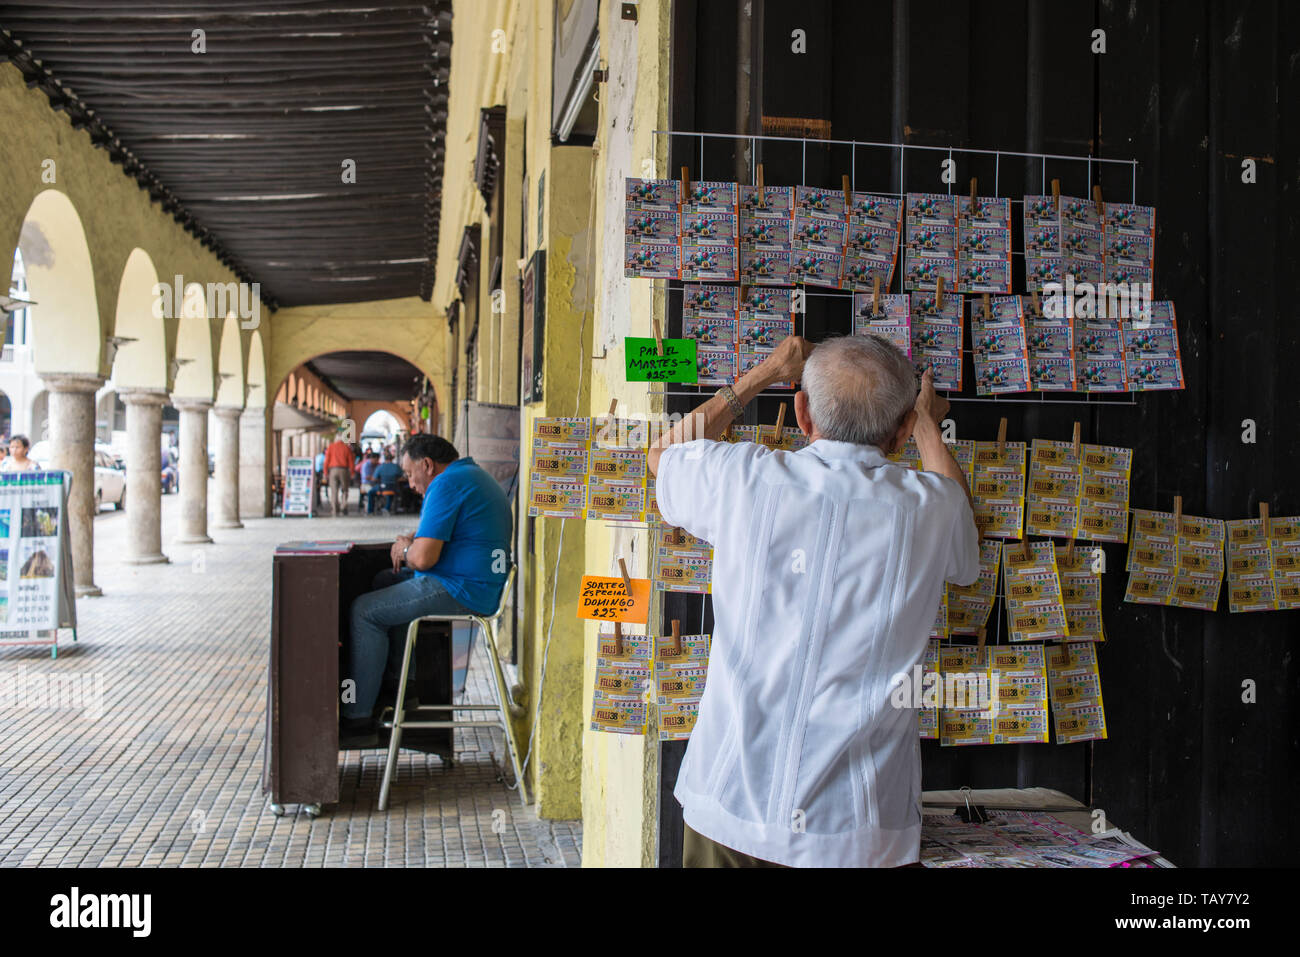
{"x": 254, "y": 473}
{"x": 194, "y": 469}
{"x": 72, "y": 445}
{"x": 228, "y": 466}
{"x": 144, "y": 474}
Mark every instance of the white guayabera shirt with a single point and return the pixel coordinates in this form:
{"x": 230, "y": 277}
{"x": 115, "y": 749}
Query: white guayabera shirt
{"x": 827, "y": 568}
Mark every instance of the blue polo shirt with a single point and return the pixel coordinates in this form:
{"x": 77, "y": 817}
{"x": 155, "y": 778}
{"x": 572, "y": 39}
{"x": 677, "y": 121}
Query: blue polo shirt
{"x": 465, "y": 508}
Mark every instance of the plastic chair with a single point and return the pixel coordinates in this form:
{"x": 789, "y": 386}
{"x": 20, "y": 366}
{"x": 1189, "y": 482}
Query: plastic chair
{"x": 489, "y": 625}
{"x": 387, "y": 498}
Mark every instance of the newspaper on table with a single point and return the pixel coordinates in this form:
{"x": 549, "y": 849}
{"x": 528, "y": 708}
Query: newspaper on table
{"x": 1026, "y": 839}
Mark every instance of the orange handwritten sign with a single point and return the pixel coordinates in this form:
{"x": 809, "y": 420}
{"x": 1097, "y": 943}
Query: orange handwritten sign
{"x": 606, "y": 599}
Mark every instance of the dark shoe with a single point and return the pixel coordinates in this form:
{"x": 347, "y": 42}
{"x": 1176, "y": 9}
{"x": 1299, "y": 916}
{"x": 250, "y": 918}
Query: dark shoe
{"x": 357, "y": 733}
{"x": 388, "y": 699}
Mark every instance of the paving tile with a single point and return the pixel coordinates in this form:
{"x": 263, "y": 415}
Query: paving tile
{"x": 170, "y": 772}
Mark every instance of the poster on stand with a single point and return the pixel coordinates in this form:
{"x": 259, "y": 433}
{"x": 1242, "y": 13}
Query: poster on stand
{"x": 299, "y": 486}
{"x": 35, "y": 555}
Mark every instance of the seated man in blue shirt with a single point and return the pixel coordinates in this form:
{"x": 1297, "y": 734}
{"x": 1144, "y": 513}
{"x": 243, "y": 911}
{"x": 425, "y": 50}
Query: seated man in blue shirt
{"x": 456, "y": 563}
{"x": 386, "y": 476}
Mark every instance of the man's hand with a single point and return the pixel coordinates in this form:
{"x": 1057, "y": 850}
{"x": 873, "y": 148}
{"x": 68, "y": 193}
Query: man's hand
{"x": 929, "y": 406}
{"x": 785, "y": 362}
{"x": 399, "y": 546}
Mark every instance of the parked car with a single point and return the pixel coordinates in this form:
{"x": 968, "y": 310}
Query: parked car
{"x": 110, "y": 479}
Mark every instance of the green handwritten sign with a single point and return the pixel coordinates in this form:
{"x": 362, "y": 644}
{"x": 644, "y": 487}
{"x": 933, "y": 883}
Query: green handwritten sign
{"x": 645, "y": 364}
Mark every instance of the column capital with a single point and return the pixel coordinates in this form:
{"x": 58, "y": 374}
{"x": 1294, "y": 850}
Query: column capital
{"x": 191, "y": 403}
{"x": 133, "y": 395}
{"x": 228, "y": 411}
{"x": 72, "y": 381}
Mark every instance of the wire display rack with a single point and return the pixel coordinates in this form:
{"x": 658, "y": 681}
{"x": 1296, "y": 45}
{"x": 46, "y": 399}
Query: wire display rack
{"x": 1089, "y": 163}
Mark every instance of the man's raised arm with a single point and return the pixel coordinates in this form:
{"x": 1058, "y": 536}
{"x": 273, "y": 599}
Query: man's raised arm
{"x": 710, "y": 419}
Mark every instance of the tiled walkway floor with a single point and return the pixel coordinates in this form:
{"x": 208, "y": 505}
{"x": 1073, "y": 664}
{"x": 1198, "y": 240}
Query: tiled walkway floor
{"x": 170, "y": 772}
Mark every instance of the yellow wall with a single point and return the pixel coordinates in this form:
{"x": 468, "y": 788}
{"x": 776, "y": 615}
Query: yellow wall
{"x": 611, "y": 780}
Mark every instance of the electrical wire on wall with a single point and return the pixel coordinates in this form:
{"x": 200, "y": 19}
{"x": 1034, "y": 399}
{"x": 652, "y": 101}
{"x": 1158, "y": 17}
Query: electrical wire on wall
{"x": 577, "y": 407}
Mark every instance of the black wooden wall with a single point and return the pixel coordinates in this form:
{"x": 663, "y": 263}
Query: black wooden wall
{"x": 1188, "y": 88}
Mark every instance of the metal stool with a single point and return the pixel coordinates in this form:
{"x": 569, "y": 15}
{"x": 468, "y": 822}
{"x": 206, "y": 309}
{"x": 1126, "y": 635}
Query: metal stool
{"x": 488, "y": 625}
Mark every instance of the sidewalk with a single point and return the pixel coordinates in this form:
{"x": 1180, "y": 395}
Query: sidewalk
{"x": 170, "y": 772}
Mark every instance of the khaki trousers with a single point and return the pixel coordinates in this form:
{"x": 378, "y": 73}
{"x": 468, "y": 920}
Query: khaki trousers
{"x": 338, "y": 490}
{"x": 700, "y": 851}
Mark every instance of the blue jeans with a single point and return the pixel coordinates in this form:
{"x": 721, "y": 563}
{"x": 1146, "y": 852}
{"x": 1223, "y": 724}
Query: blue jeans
{"x": 375, "y": 490}
{"x": 378, "y": 635}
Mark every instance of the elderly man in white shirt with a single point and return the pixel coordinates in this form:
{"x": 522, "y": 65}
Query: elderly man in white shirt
{"x": 828, "y": 565}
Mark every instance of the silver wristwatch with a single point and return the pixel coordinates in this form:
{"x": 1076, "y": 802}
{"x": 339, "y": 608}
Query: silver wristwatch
{"x": 404, "y": 551}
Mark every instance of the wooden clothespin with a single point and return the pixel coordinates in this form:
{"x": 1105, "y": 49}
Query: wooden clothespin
{"x": 875, "y": 296}
{"x": 674, "y": 536}
{"x": 1069, "y": 552}
{"x": 1178, "y": 517}
{"x": 618, "y": 639}
{"x": 1056, "y": 194}
{"x": 744, "y": 294}
{"x": 1096, "y": 198}
{"x": 780, "y": 422}
{"x": 972, "y": 194}
{"x": 1038, "y": 306}
{"x": 1263, "y": 517}
{"x": 988, "y": 308}
{"x": 1025, "y": 553}
{"x": 1002, "y": 437}
{"x": 686, "y": 184}
{"x": 627, "y": 579}
{"x": 758, "y": 176}
{"x": 1078, "y": 429}
{"x": 677, "y": 638}
{"x": 613, "y": 409}
{"x": 938, "y": 294}
{"x": 659, "y": 336}
{"x": 980, "y": 636}
{"x": 848, "y": 192}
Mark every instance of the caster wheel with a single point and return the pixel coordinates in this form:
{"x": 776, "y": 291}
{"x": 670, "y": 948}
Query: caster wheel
{"x": 313, "y": 810}
{"x": 277, "y": 810}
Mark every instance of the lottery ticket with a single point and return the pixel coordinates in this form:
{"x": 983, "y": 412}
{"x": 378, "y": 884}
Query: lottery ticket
{"x": 1184, "y": 569}
{"x": 700, "y": 301}
{"x": 1075, "y": 684}
{"x": 1035, "y": 611}
{"x": 815, "y": 267}
{"x": 635, "y": 648}
{"x": 969, "y": 606}
{"x": 693, "y": 650}
{"x": 889, "y": 318}
{"x": 999, "y": 344}
{"x": 1152, "y": 356}
{"x": 681, "y": 562}
{"x": 937, "y": 338}
{"x": 998, "y": 490}
{"x": 617, "y": 715}
{"x": 652, "y": 231}
{"x": 677, "y": 719}
{"x": 1080, "y": 593}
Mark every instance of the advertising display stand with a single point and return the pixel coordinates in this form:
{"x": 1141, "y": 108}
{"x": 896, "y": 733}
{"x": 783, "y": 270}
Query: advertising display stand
{"x": 36, "y": 587}
{"x": 299, "y": 487}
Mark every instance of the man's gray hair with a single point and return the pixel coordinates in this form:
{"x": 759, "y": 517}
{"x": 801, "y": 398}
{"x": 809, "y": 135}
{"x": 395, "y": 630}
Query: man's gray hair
{"x": 860, "y": 388}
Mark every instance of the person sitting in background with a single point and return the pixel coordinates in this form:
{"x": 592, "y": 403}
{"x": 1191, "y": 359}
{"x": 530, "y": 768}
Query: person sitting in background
{"x": 369, "y": 462}
{"x": 386, "y": 477}
{"x": 456, "y": 564}
{"x": 18, "y": 460}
